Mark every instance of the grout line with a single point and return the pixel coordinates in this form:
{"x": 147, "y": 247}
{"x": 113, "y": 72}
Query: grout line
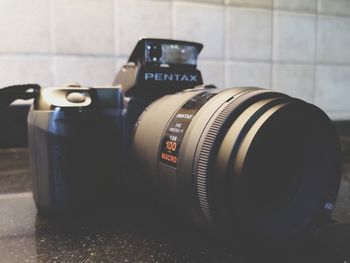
{"x": 320, "y": 63}
{"x": 294, "y": 12}
{"x": 115, "y": 27}
{"x": 340, "y": 111}
{"x": 315, "y": 55}
{"x": 293, "y": 62}
{"x": 207, "y": 59}
{"x": 250, "y": 7}
{"x": 52, "y": 28}
{"x": 325, "y": 14}
{"x": 115, "y": 31}
{"x": 272, "y": 43}
{"x": 172, "y": 19}
{"x": 48, "y": 55}
{"x": 53, "y": 43}
{"x": 196, "y": 3}
{"x": 225, "y": 42}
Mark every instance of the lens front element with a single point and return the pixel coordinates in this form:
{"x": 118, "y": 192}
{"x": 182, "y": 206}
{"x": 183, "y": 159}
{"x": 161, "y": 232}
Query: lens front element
{"x": 248, "y": 162}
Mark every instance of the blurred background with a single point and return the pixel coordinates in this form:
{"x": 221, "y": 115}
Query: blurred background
{"x": 300, "y": 47}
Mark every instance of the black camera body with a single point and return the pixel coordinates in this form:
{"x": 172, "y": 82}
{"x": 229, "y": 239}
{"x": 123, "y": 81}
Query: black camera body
{"x": 80, "y": 137}
{"x": 156, "y": 67}
{"x": 75, "y": 137}
{"x": 246, "y": 162}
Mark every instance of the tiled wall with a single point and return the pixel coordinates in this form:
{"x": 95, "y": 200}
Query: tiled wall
{"x": 301, "y": 47}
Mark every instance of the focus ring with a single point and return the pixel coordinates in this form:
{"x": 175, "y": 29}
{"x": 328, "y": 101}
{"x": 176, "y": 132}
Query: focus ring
{"x": 200, "y": 172}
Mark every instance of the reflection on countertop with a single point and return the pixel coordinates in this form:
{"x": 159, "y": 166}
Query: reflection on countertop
{"x": 139, "y": 235}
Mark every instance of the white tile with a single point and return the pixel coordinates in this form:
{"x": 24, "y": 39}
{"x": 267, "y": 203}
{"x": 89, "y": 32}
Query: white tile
{"x": 89, "y": 71}
{"x": 294, "y": 37}
{"x": 248, "y": 74}
{"x": 333, "y": 39}
{"x": 201, "y": 23}
{"x": 213, "y": 72}
{"x": 249, "y": 33}
{"x": 251, "y": 3}
{"x": 335, "y": 7}
{"x": 296, "y": 5}
{"x": 294, "y": 80}
{"x": 333, "y": 87}
{"x": 24, "y": 26}
{"x": 338, "y": 115}
{"x": 120, "y": 62}
{"x": 19, "y": 70}
{"x": 83, "y": 26}
{"x": 136, "y": 19}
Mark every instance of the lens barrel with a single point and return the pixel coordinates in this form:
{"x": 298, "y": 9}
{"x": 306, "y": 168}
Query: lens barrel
{"x": 242, "y": 163}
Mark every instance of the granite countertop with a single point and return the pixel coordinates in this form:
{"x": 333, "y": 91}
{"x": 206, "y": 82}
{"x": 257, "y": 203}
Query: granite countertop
{"x": 139, "y": 235}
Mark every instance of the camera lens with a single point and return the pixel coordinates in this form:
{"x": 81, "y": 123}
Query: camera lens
{"x": 242, "y": 163}
{"x": 155, "y": 52}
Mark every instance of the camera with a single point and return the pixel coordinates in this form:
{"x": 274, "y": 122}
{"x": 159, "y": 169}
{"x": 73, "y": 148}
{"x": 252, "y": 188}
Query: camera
{"x": 80, "y": 137}
{"x": 242, "y": 163}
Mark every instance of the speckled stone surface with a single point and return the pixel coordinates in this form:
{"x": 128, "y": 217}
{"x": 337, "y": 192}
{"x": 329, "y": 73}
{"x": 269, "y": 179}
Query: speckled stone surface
{"x": 14, "y": 171}
{"x": 139, "y": 235}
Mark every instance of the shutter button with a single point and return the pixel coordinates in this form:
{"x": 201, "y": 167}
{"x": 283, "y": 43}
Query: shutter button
{"x": 76, "y": 97}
